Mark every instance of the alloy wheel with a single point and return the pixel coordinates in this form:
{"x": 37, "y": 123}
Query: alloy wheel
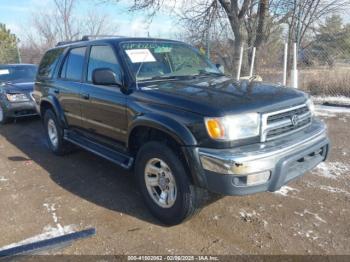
{"x": 52, "y": 132}
{"x": 160, "y": 183}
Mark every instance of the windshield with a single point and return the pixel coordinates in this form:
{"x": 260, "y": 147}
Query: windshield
{"x": 156, "y": 60}
{"x": 18, "y": 73}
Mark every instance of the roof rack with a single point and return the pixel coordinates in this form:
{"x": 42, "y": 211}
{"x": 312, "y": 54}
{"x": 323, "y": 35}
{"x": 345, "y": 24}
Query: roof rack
{"x": 88, "y": 38}
{"x": 67, "y": 42}
{"x": 94, "y": 37}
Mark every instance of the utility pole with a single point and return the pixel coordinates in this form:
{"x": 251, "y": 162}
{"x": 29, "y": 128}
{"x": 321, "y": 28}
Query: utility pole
{"x": 298, "y": 27}
{"x": 207, "y": 43}
{"x": 18, "y": 54}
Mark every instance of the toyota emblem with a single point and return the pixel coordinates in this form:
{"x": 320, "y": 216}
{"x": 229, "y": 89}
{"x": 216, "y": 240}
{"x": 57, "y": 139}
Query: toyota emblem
{"x": 295, "y": 120}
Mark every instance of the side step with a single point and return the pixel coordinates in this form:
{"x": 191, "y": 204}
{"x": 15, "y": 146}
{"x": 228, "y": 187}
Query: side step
{"x": 116, "y": 157}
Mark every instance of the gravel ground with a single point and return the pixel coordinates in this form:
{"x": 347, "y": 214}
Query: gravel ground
{"x": 44, "y": 195}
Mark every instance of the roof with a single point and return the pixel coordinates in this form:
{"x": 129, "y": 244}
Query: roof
{"x": 16, "y": 65}
{"x": 112, "y": 40}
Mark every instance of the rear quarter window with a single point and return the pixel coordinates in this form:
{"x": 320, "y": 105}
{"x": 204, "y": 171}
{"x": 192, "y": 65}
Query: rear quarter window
{"x": 48, "y": 63}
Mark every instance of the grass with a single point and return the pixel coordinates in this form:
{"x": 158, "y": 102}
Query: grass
{"x": 326, "y": 82}
{"x": 315, "y": 81}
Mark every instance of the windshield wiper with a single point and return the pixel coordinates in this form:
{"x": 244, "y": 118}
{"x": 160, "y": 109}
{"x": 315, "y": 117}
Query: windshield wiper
{"x": 206, "y": 73}
{"x": 169, "y": 77}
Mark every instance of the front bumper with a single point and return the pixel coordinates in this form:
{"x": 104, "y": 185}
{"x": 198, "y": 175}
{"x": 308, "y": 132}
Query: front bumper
{"x": 20, "y": 109}
{"x": 226, "y": 171}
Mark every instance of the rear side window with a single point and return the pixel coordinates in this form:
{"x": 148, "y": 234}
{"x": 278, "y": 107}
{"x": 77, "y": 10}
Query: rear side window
{"x": 73, "y": 65}
{"x": 48, "y": 63}
{"x": 102, "y": 57}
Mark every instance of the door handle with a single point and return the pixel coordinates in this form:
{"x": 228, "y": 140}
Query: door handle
{"x": 85, "y": 96}
{"x": 56, "y": 91}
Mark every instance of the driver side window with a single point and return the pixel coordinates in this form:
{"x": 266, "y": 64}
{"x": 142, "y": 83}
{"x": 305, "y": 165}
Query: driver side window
{"x": 103, "y": 57}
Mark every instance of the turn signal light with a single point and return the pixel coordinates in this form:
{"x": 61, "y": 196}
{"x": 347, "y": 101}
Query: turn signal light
{"x": 215, "y": 130}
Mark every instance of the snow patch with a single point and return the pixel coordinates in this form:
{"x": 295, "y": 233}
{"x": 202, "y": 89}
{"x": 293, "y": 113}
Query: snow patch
{"x": 331, "y": 110}
{"x": 285, "y": 190}
{"x": 51, "y": 209}
{"x": 338, "y": 100}
{"x": 315, "y": 215}
{"x": 48, "y": 232}
{"x": 216, "y": 217}
{"x": 308, "y": 234}
{"x": 248, "y": 216}
{"x": 334, "y": 190}
{"x": 331, "y": 170}
{"x": 3, "y": 179}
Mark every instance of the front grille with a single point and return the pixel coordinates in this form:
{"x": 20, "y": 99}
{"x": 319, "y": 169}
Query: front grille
{"x": 284, "y": 122}
{"x": 283, "y": 116}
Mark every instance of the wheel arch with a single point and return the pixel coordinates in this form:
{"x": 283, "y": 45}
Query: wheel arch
{"x": 158, "y": 128}
{"x": 178, "y": 132}
{"x": 53, "y": 104}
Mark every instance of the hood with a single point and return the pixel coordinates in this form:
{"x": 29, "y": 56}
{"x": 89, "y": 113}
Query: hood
{"x": 17, "y": 87}
{"x": 220, "y": 96}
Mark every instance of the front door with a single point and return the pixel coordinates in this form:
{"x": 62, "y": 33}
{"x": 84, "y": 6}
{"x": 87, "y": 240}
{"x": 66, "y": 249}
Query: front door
{"x": 104, "y": 107}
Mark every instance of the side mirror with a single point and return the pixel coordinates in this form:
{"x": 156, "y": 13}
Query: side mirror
{"x": 105, "y": 77}
{"x": 220, "y": 67}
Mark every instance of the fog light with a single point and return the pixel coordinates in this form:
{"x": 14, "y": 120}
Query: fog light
{"x": 258, "y": 178}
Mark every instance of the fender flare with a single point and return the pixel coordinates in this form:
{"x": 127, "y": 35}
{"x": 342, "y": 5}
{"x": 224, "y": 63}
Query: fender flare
{"x": 180, "y": 133}
{"x": 56, "y": 107}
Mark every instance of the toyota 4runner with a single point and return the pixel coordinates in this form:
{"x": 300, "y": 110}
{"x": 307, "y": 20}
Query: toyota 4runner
{"x": 162, "y": 109}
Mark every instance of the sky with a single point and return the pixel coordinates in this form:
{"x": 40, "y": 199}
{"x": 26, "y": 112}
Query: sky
{"x": 17, "y": 15}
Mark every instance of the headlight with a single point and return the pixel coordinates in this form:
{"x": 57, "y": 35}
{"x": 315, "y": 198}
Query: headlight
{"x": 17, "y": 97}
{"x": 311, "y": 106}
{"x": 233, "y": 127}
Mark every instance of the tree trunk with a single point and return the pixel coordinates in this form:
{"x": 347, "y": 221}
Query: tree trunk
{"x": 260, "y": 31}
{"x": 236, "y": 26}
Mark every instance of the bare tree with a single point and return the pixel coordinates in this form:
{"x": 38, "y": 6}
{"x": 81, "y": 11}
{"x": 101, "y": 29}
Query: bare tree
{"x": 65, "y": 20}
{"x": 303, "y": 17}
{"x": 63, "y": 24}
{"x": 202, "y": 14}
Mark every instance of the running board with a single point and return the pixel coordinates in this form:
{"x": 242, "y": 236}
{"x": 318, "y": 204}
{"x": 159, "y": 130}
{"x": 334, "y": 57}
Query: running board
{"x": 116, "y": 157}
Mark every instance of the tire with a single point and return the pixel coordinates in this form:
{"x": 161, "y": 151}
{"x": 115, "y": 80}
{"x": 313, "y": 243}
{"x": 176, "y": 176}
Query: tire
{"x": 184, "y": 203}
{"x": 57, "y": 145}
{"x": 3, "y": 118}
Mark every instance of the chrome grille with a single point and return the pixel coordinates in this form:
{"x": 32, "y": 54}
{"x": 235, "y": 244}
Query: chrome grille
{"x": 285, "y": 122}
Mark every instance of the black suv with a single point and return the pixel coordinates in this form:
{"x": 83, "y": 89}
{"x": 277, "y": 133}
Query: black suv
{"x": 161, "y": 108}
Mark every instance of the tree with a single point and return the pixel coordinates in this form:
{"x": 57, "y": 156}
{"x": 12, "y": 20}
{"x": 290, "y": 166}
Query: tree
{"x": 63, "y": 24}
{"x": 8, "y": 46}
{"x": 202, "y": 14}
{"x": 303, "y": 16}
{"x": 255, "y": 22}
{"x": 332, "y": 40}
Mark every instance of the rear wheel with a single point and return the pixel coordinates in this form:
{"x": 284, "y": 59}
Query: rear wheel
{"x": 54, "y": 134}
{"x": 164, "y": 184}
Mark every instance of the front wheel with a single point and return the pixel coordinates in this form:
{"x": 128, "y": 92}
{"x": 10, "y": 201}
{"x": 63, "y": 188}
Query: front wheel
{"x": 164, "y": 184}
{"x": 3, "y": 118}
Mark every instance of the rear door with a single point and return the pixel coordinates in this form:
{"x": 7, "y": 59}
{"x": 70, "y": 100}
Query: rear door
{"x": 104, "y": 107}
{"x": 69, "y": 85}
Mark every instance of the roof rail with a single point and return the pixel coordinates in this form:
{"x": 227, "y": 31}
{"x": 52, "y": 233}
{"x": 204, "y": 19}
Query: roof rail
{"x": 92, "y": 37}
{"x": 88, "y": 38}
{"x": 67, "y": 42}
